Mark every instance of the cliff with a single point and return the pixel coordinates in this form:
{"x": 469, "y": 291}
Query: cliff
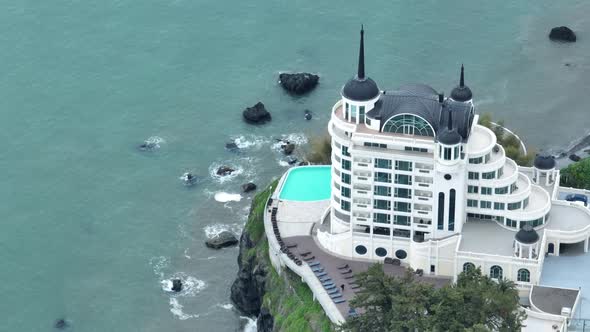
{"x": 280, "y": 302}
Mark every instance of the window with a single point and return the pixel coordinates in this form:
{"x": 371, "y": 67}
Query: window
{"x": 513, "y": 188}
{"x": 401, "y": 254}
{"x": 382, "y": 218}
{"x": 375, "y": 145}
{"x": 472, "y": 189}
{"x": 361, "y": 250}
{"x": 525, "y": 203}
{"x": 346, "y": 110}
{"x": 408, "y": 124}
{"x": 345, "y": 191}
{"x": 514, "y": 206}
{"x": 362, "y": 114}
{"x": 500, "y": 172}
{"x": 402, "y": 206}
{"x": 346, "y": 164}
{"x": 368, "y": 121}
{"x": 345, "y": 178}
{"x": 524, "y": 275}
{"x": 383, "y": 177}
{"x": 382, "y": 204}
{"x": 383, "y": 163}
{"x": 456, "y": 152}
{"x": 447, "y": 153}
{"x": 345, "y": 151}
{"x": 403, "y": 193}
{"x": 498, "y": 206}
{"x": 472, "y": 203}
{"x": 401, "y": 220}
{"x": 485, "y": 204}
{"x": 382, "y": 191}
{"x": 501, "y": 191}
{"x": 468, "y": 267}
{"x": 511, "y": 223}
{"x": 477, "y": 160}
{"x": 496, "y": 272}
{"x": 381, "y": 252}
{"x": 486, "y": 158}
{"x": 409, "y": 148}
{"x": 473, "y": 176}
{"x": 353, "y": 113}
{"x": 441, "y": 211}
{"x": 403, "y": 165}
{"x": 345, "y": 205}
{"x": 452, "y": 210}
{"x": 401, "y": 232}
{"x": 403, "y": 179}
{"x": 488, "y": 175}
{"x": 486, "y": 191}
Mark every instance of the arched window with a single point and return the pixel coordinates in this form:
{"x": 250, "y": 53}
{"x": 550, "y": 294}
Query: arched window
{"x": 408, "y": 124}
{"x": 452, "y": 210}
{"x": 524, "y": 275}
{"x": 496, "y": 272}
{"x": 468, "y": 267}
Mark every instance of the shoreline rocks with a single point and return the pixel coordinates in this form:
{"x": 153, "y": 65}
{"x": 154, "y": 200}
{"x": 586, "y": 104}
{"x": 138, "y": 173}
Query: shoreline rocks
{"x": 256, "y": 114}
{"x": 562, "y": 34}
{"x": 176, "y": 285}
{"x": 222, "y": 240}
{"x": 225, "y": 170}
{"x": 298, "y": 83}
{"x": 248, "y": 187}
{"x": 287, "y": 147}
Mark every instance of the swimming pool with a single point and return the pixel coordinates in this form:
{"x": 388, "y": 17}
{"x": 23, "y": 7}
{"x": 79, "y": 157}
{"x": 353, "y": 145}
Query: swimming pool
{"x": 307, "y": 183}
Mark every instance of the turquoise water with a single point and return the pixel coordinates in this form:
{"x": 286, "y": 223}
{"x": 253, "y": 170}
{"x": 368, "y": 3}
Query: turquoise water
{"x": 307, "y": 183}
{"x": 90, "y": 226}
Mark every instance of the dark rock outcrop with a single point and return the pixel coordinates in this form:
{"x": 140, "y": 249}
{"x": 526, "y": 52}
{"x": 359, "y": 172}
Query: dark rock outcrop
{"x": 291, "y": 160}
{"x": 60, "y": 324}
{"x": 307, "y": 115}
{"x": 256, "y": 114}
{"x": 147, "y": 146}
{"x": 563, "y": 34}
{"x": 176, "y": 285}
{"x": 288, "y": 148}
{"x": 248, "y": 289}
{"x": 265, "y": 321}
{"x": 298, "y": 83}
{"x": 248, "y": 187}
{"x": 575, "y": 157}
{"x": 231, "y": 146}
{"x": 222, "y": 240}
{"x": 225, "y": 170}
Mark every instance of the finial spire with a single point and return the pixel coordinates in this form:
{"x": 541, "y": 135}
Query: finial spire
{"x": 462, "y": 80}
{"x": 361, "y": 70}
{"x": 450, "y": 123}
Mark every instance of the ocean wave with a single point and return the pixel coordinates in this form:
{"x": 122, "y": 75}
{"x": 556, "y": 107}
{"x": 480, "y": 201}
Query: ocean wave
{"x": 226, "y": 306}
{"x": 224, "y": 197}
{"x": 249, "y": 141}
{"x": 295, "y": 138}
{"x": 191, "y": 286}
{"x": 213, "y": 230}
{"x": 176, "y": 310}
{"x": 250, "y": 325}
{"x": 158, "y": 264}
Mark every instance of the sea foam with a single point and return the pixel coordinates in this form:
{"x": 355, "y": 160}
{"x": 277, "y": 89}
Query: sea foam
{"x": 224, "y": 197}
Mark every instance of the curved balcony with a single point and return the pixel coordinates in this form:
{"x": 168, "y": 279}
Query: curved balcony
{"x": 481, "y": 142}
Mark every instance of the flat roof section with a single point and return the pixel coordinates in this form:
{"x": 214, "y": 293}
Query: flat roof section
{"x": 552, "y": 299}
{"x": 486, "y": 237}
{"x": 479, "y": 140}
{"x": 567, "y": 218}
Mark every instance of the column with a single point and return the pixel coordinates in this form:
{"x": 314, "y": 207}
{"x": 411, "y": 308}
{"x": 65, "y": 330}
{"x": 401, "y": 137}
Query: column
{"x": 586, "y": 245}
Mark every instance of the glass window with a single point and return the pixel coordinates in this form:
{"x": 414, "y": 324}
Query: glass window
{"x": 473, "y": 176}
{"x": 401, "y": 254}
{"x": 472, "y": 189}
{"x": 403, "y": 179}
{"x": 346, "y": 178}
{"x": 408, "y": 124}
{"x": 353, "y": 113}
{"x": 382, "y": 204}
{"x": 498, "y": 206}
{"x": 468, "y": 267}
{"x": 345, "y": 151}
{"x": 501, "y": 191}
{"x": 383, "y": 163}
{"x": 514, "y": 206}
{"x": 485, "y": 204}
{"x": 381, "y": 252}
{"x": 496, "y": 272}
{"x": 382, "y": 191}
{"x": 345, "y": 164}
{"x": 362, "y": 114}
{"x": 487, "y": 158}
{"x": 525, "y": 203}
{"x": 488, "y": 175}
{"x": 346, "y": 110}
{"x": 402, "y": 206}
{"x": 441, "y": 211}
{"x": 345, "y": 205}
{"x": 383, "y": 177}
{"x": 382, "y": 218}
{"x": 452, "y": 210}
{"x": 401, "y": 220}
{"x": 447, "y": 155}
{"x": 513, "y": 188}
{"x": 524, "y": 275}
{"x": 403, "y": 165}
{"x": 472, "y": 203}
{"x": 500, "y": 172}
{"x": 345, "y": 191}
{"x": 456, "y": 152}
{"x": 403, "y": 192}
{"x": 486, "y": 191}
{"x": 510, "y": 223}
{"x": 401, "y": 232}
{"x": 477, "y": 160}
{"x": 361, "y": 250}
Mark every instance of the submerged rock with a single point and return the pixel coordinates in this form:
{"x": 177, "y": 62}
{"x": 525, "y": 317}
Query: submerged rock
{"x": 147, "y": 146}
{"x": 291, "y": 160}
{"x": 225, "y": 170}
{"x": 575, "y": 157}
{"x": 189, "y": 179}
{"x": 265, "y": 321}
{"x": 247, "y": 187}
{"x": 60, "y": 324}
{"x": 298, "y": 83}
{"x": 256, "y": 114}
{"x": 563, "y": 34}
{"x": 288, "y": 148}
{"x": 307, "y": 115}
{"x": 231, "y": 146}
{"x": 176, "y": 285}
{"x": 222, "y": 240}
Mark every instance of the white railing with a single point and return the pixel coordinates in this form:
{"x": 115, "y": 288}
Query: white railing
{"x": 497, "y": 258}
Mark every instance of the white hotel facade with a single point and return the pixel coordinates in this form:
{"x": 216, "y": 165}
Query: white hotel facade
{"x": 415, "y": 177}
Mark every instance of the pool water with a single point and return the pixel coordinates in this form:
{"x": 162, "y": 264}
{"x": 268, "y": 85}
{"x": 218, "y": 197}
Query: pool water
{"x": 307, "y": 183}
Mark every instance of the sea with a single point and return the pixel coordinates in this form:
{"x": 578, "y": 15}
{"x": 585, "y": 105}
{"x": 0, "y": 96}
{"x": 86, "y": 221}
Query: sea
{"x": 93, "y": 229}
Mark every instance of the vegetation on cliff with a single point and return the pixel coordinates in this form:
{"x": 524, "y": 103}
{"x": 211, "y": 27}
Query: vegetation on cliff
{"x": 281, "y": 302}
{"x": 509, "y": 142}
{"x": 320, "y": 150}
{"x": 475, "y": 303}
{"x": 577, "y": 175}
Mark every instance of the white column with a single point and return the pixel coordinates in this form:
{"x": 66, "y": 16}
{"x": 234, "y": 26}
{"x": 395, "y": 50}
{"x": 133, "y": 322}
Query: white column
{"x": 586, "y": 245}
{"x": 547, "y": 178}
{"x": 520, "y": 250}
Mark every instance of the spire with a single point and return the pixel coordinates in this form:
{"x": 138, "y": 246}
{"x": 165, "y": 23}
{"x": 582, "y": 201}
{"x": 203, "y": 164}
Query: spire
{"x": 361, "y": 71}
{"x": 462, "y": 80}
{"x": 450, "y": 122}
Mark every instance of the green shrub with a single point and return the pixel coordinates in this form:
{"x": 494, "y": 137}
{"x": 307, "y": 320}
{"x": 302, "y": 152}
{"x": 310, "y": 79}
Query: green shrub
{"x": 577, "y": 175}
{"x": 320, "y": 152}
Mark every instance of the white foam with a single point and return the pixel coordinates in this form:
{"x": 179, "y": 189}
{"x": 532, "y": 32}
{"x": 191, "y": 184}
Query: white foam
{"x": 245, "y": 142}
{"x": 250, "y": 324}
{"x": 227, "y": 306}
{"x": 224, "y": 178}
{"x": 154, "y": 141}
{"x": 283, "y": 163}
{"x": 212, "y": 231}
{"x": 158, "y": 264}
{"x": 226, "y": 197}
{"x": 176, "y": 310}
{"x": 191, "y": 286}
{"x": 294, "y": 138}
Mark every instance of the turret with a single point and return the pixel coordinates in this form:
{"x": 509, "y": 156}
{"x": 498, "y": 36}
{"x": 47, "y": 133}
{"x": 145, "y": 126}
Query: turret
{"x": 462, "y": 92}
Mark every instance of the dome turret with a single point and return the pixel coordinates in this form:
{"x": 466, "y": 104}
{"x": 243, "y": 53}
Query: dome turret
{"x": 361, "y": 87}
{"x": 544, "y": 162}
{"x": 527, "y": 235}
{"x": 462, "y": 92}
{"x": 449, "y": 135}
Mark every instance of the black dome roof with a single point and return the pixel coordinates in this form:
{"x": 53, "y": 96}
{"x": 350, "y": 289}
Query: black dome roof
{"x": 449, "y": 137}
{"x": 527, "y": 235}
{"x": 360, "y": 89}
{"x": 462, "y": 92}
{"x": 544, "y": 162}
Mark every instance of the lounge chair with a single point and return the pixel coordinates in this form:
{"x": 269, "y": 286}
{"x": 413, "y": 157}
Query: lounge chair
{"x": 307, "y": 259}
{"x": 339, "y": 301}
{"x": 317, "y": 269}
{"x": 326, "y": 278}
{"x": 320, "y": 274}
{"x": 330, "y": 287}
{"x": 335, "y": 296}
{"x": 291, "y": 246}
{"x": 349, "y": 277}
{"x": 346, "y": 272}
{"x": 355, "y": 287}
{"x": 332, "y": 291}
{"x": 312, "y": 264}
{"x": 328, "y": 284}
{"x": 305, "y": 253}
{"x": 342, "y": 267}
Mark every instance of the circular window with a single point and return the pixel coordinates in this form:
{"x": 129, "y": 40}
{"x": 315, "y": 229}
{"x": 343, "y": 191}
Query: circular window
{"x": 447, "y": 176}
{"x": 361, "y": 250}
{"x": 381, "y": 252}
{"x": 401, "y": 254}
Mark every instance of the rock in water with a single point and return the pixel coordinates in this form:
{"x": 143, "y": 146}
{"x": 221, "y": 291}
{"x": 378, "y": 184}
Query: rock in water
{"x": 265, "y": 321}
{"x": 222, "y": 240}
{"x": 231, "y": 146}
{"x": 147, "y": 146}
{"x": 307, "y": 115}
{"x": 291, "y": 160}
{"x": 247, "y": 187}
{"x": 288, "y": 148}
{"x": 256, "y": 114}
{"x": 298, "y": 83}
{"x": 575, "y": 157}
{"x": 563, "y": 34}
{"x": 176, "y": 285}
{"x": 60, "y": 324}
{"x": 225, "y": 170}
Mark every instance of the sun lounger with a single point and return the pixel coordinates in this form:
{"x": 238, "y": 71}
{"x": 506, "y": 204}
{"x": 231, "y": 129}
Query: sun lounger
{"x": 325, "y": 278}
{"x": 307, "y": 259}
{"x": 346, "y": 272}
{"x": 312, "y": 264}
{"x": 355, "y": 287}
{"x": 332, "y": 291}
{"x": 328, "y": 284}
{"x": 305, "y": 253}
{"x": 339, "y": 301}
{"x": 291, "y": 246}
{"x": 349, "y": 277}
{"x": 330, "y": 287}
{"x": 335, "y": 296}
{"x": 320, "y": 274}
{"x": 317, "y": 269}
{"x": 342, "y": 267}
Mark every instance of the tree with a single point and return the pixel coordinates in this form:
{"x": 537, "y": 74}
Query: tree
{"x": 577, "y": 175}
{"x": 321, "y": 150}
